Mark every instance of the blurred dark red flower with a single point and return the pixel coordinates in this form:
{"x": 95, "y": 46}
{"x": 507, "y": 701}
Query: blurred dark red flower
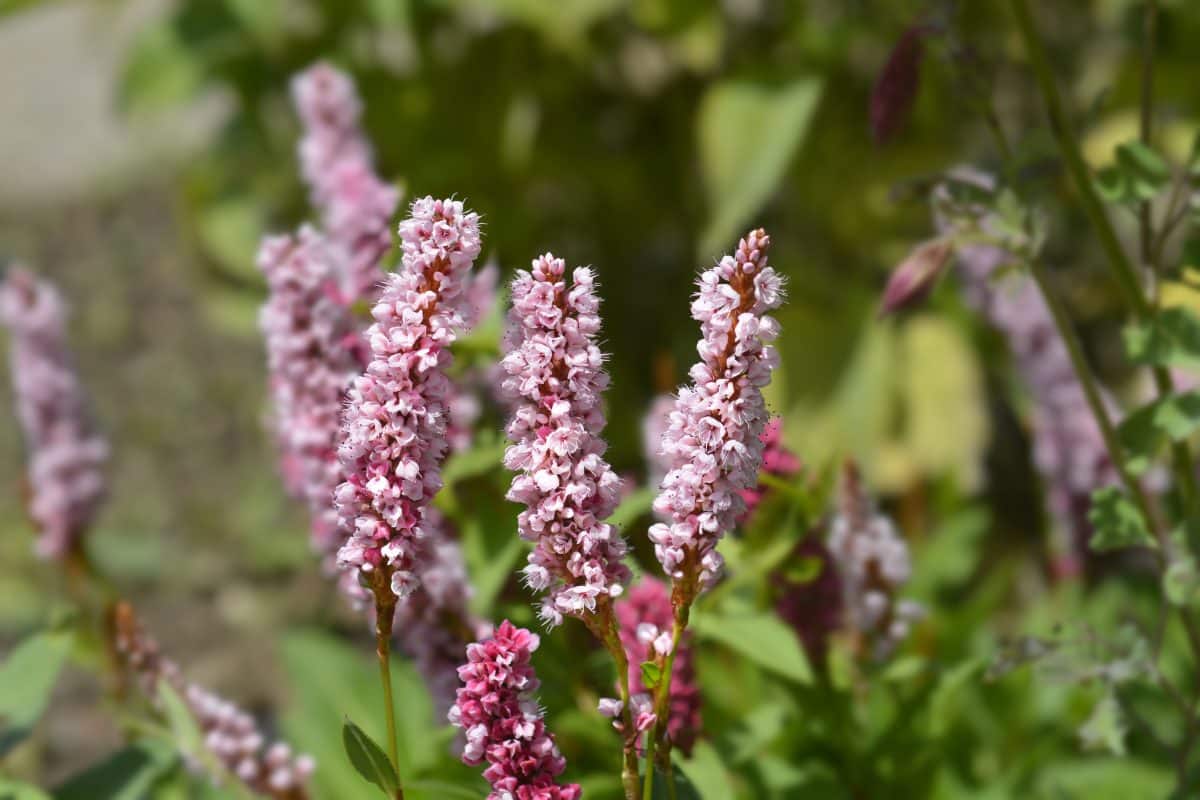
{"x": 896, "y": 87}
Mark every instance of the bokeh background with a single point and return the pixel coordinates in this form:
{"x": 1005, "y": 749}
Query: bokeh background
{"x": 146, "y": 146}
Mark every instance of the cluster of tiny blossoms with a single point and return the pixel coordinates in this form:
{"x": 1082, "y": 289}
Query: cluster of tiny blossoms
{"x": 555, "y": 371}
{"x": 356, "y": 206}
{"x": 1068, "y": 447}
{"x": 497, "y": 710}
{"x": 645, "y": 617}
{"x": 66, "y": 456}
{"x": 713, "y": 439}
{"x": 873, "y": 562}
{"x": 230, "y": 734}
{"x": 394, "y": 430}
{"x": 311, "y": 360}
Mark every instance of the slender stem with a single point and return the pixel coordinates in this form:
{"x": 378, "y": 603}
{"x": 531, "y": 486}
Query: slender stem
{"x": 610, "y": 637}
{"x": 658, "y": 744}
{"x": 1146, "y": 126}
{"x": 1127, "y": 277}
{"x": 1091, "y": 391}
{"x": 385, "y": 614}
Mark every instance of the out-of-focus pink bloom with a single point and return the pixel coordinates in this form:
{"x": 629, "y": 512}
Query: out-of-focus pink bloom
{"x": 230, "y": 734}
{"x": 714, "y": 438}
{"x": 778, "y": 461}
{"x": 895, "y": 89}
{"x": 356, "y": 206}
{"x": 498, "y": 711}
{"x": 645, "y": 617}
{"x": 394, "y": 430}
{"x": 66, "y": 457}
{"x": 914, "y": 278}
{"x": 556, "y": 370}
{"x": 812, "y": 607}
{"x": 311, "y": 361}
{"x": 654, "y": 426}
{"x": 1068, "y": 447}
{"x": 872, "y": 560}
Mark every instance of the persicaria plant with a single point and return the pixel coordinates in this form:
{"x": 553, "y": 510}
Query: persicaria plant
{"x": 534, "y": 562}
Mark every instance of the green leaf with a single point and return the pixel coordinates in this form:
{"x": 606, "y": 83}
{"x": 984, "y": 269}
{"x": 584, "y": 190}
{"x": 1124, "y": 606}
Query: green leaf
{"x": 1148, "y": 170}
{"x": 1114, "y": 186}
{"x": 161, "y": 72}
{"x": 1181, "y": 580}
{"x": 1172, "y": 339}
{"x": 1105, "y": 729}
{"x": 369, "y": 759}
{"x": 683, "y": 789}
{"x": 181, "y": 721}
{"x": 26, "y": 681}
{"x": 747, "y": 134}
{"x": 707, "y": 773}
{"x": 762, "y": 638}
{"x": 14, "y": 790}
{"x": 1143, "y": 432}
{"x": 651, "y": 675}
{"x": 230, "y": 232}
{"x": 1117, "y": 522}
{"x": 127, "y": 774}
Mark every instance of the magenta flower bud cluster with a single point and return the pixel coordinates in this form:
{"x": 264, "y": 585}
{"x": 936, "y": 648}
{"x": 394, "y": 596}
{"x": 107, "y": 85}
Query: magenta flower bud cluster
{"x": 873, "y": 562}
{"x": 645, "y": 617}
{"x": 1068, "y": 447}
{"x": 394, "y": 429}
{"x": 230, "y": 734}
{"x": 555, "y": 370}
{"x": 434, "y": 622}
{"x": 713, "y": 439}
{"x": 66, "y": 457}
{"x": 498, "y": 712}
{"x": 310, "y": 341}
{"x": 356, "y": 206}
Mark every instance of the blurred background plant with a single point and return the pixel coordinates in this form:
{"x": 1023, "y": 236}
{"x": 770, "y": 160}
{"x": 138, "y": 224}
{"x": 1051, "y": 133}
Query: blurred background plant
{"x": 147, "y": 146}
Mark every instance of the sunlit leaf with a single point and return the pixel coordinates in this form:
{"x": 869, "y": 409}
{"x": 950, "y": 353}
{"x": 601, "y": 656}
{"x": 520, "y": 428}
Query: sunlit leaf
{"x": 748, "y": 133}
{"x": 1117, "y": 522}
{"x": 369, "y": 759}
{"x": 1172, "y": 339}
{"x": 27, "y": 678}
{"x": 762, "y": 638}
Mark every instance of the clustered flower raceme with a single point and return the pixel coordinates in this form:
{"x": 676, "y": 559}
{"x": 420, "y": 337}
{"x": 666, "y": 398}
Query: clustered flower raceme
{"x": 310, "y": 339}
{"x": 713, "y": 440}
{"x": 1068, "y": 447}
{"x": 499, "y": 714}
{"x": 66, "y": 483}
{"x": 434, "y": 622}
{"x": 645, "y": 617}
{"x": 230, "y": 734}
{"x": 873, "y": 562}
{"x": 394, "y": 429}
{"x": 555, "y": 371}
{"x": 356, "y": 206}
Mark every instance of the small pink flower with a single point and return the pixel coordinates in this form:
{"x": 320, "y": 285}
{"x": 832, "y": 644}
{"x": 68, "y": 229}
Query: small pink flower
{"x": 229, "y": 733}
{"x": 66, "y": 457}
{"x": 498, "y": 712}
{"x": 645, "y": 618}
{"x": 555, "y": 374}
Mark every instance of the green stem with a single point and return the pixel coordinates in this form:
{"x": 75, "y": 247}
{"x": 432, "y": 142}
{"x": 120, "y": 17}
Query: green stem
{"x": 1126, "y": 274}
{"x": 385, "y": 613}
{"x": 658, "y": 745}
{"x": 611, "y": 639}
{"x": 1091, "y": 391}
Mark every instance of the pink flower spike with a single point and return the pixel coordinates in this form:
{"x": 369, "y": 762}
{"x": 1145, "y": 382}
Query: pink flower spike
{"x": 356, "y": 205}
{"x": 499, "y": 714}
{"x": 394, "y": 429}
{"x": 311, "y": 361}
{"x": 65, "y": 473}
{"x": 713, "y": 439}
{"x": 554, "y": 369}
